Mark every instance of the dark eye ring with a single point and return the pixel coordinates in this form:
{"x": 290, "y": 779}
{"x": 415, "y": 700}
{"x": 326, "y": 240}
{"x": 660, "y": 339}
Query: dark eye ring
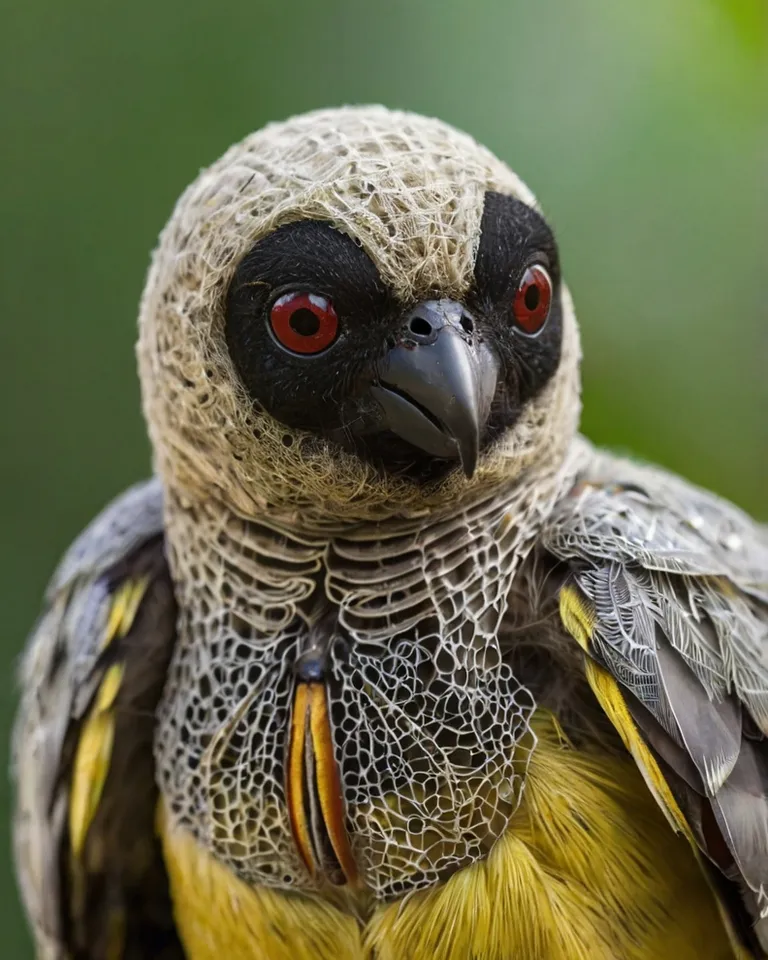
{"x": 533, "y": 299}
{"x": 303, "y": 323}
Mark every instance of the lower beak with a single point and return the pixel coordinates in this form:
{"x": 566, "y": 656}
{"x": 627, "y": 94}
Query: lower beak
{"x": 437, "y": 385}
{"x": 313, "y": 789}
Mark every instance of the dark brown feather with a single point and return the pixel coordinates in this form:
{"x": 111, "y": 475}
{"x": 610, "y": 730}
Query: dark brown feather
{"x": 120, "y": 877}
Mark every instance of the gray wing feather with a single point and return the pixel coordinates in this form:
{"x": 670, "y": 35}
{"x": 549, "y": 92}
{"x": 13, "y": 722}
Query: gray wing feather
{"x": 129, "y": 520}
{"x": 700, "y": 566}
{"x": 639, "y": 637}
{"x": 741, "y": 811}
{"x": 678, "y": 581}
{"x": 57, "y": 684}
{"x": 710, "y": 730}
{"x": 661, "y": 522}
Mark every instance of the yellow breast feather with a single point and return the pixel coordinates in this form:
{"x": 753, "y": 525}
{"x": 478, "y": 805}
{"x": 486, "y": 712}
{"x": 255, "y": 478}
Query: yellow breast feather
{"x": 587, "y": 870}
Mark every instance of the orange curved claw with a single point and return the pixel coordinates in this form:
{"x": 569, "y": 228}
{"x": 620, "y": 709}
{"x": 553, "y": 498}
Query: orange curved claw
{"x": 313, "y": 790}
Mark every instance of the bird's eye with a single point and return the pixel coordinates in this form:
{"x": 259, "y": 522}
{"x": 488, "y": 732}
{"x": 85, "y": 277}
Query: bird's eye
{"x": 533, "y": 299}
{"x": 303, "y": 322}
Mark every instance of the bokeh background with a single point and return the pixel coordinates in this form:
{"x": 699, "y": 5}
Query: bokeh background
{"x": 641, "y": 127}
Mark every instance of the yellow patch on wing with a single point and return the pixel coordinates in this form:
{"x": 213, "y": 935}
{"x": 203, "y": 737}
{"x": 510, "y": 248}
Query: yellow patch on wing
{"x": 94, "y": 748}
{"x": 578, "y": 617}
{"x": 116, "y": 932}
{"x": 91, "y": 765}
{"x": 611, "y": 699}
{"x": 125, "y": 603}
{"x": 579, "y": 620}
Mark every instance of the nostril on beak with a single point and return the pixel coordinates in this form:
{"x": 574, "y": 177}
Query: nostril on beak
{"x": 420, "y": 326}
{"x": 425, "y": 321}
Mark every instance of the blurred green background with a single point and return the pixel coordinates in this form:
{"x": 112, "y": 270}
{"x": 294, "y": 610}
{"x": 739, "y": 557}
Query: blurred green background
{"x": 641, "y": 127}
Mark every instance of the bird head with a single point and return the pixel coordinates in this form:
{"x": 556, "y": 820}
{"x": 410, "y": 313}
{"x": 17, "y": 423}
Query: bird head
{"x": 356, "y": 313}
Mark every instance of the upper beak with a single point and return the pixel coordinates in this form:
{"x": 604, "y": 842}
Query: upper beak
{"x": 437, "y": 384}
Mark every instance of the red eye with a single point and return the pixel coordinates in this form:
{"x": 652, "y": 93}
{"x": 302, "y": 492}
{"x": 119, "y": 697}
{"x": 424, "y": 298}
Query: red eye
{"x": 304, "y": 322}
{"x": 533, "y": 299}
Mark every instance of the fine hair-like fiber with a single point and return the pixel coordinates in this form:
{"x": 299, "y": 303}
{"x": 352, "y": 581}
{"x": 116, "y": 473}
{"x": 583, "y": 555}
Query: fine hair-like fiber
{"x": 410, "y": 190}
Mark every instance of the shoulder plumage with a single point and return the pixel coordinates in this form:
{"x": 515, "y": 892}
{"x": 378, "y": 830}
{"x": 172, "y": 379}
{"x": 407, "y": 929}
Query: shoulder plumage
{"x": 622, "y": 509}
{"x": 90, "y": 679}
{"x": 666, "y": 591}
{"x": 133, "y": 517}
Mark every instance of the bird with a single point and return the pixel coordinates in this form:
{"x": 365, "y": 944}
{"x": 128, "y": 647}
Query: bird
{"x": 386, "y": 660}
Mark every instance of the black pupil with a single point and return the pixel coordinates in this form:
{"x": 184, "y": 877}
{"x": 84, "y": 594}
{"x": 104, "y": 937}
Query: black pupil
{"x": 304, "y": 322}
{"x": 532, "y": 296}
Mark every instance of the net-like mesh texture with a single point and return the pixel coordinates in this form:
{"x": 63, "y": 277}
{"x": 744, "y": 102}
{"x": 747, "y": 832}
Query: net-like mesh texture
{"x": 410, "y": 191}
{"x": 271, "y": 535}
{"x": 430, "y": 726}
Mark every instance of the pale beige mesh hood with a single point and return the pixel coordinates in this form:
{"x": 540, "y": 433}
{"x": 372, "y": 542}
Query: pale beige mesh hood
{"x": 411, "y": 191}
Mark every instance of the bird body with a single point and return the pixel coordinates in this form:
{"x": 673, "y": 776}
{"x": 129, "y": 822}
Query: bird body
{"x": 388, "y": 661}
{"x": 586, "y": 868}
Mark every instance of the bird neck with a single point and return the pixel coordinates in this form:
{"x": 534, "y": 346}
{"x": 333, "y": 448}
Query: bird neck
{"x": 284, "y": 547}
{"x": 364, "y": 607}
{"x": 525, "y": 498}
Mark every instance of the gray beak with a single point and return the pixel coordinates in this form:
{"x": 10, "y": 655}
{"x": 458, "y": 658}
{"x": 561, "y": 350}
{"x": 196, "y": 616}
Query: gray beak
{"x": 437, "y": 385}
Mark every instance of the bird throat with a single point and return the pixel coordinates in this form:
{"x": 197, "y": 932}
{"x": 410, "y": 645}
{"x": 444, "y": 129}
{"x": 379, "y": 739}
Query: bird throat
{"x": 338, "y": 714}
